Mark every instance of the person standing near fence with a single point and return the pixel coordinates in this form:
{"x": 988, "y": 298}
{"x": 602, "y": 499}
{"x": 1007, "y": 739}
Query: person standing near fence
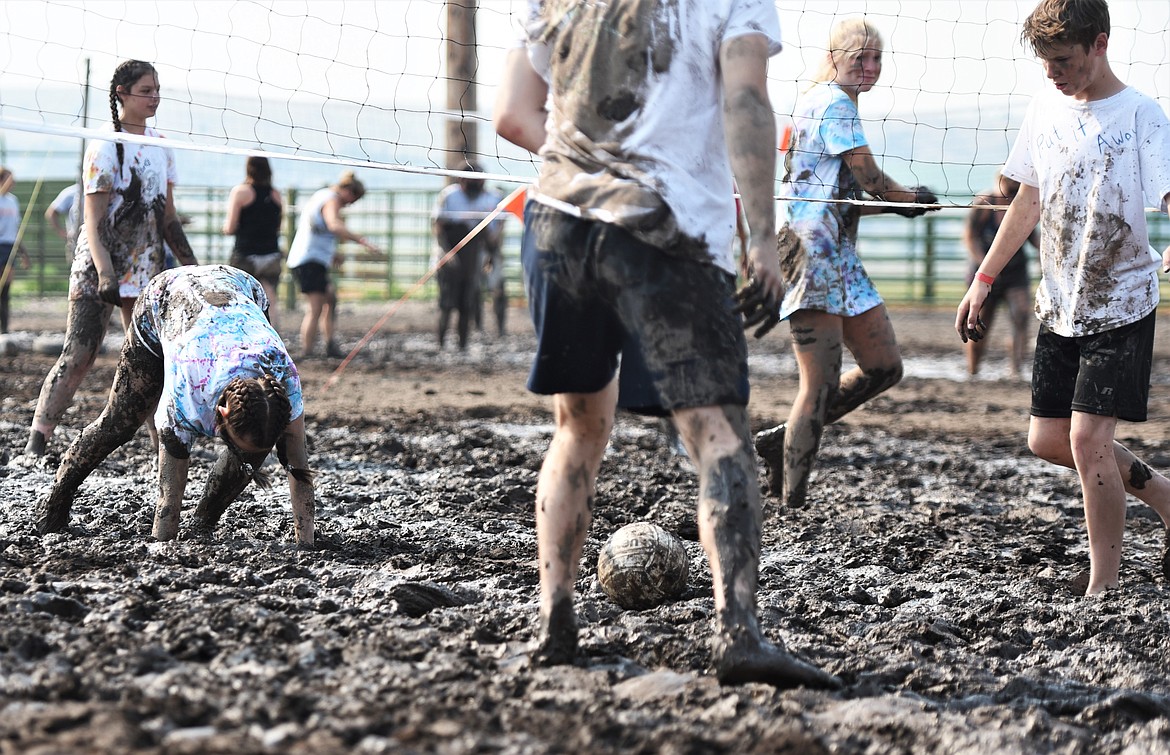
{"x": 254, "y": 214}
{"x": 313, "y": 253}
{"x": 1088, "y": 157}
{"x": 67, "y": 205}
{"x": 627, "y": 254}
{"x": 129, "y": 213}
{"x": 460, "y": 207}
{"x": 9, "y": 236}
{"x": 831, "y": 303}
{"x": 1013, "y": 286}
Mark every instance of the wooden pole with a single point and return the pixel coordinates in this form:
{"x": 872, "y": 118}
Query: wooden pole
{"x": 462, "y": 62}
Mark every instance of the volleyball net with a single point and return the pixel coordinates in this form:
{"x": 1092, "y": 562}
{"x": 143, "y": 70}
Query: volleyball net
{"x": 404, "y": 89}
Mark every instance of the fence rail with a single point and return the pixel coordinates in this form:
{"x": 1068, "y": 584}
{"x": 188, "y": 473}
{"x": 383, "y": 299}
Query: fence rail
{"x": 920, "y": 261}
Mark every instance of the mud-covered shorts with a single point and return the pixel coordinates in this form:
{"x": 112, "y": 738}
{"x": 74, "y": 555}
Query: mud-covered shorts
{"x": 597, "y": 294}
{"x": 1106, "y": 373}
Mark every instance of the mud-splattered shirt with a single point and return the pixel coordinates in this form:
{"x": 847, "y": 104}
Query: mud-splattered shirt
{"x": 132, "y": 228}
{"x": 828, "y": 276}
{"x": 635, "y": 123}
{"x": 1096, "y": 165}
{"x": 210, "y": 325}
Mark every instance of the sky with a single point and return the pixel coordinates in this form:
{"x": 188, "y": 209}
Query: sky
{"x": 366, "y": 80}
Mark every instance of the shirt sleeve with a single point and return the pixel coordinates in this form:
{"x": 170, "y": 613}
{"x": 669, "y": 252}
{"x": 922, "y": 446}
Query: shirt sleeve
{"x": 755, "y": 17}
{"x": 840, "y": 127}
{"x": 1019, "y": 165}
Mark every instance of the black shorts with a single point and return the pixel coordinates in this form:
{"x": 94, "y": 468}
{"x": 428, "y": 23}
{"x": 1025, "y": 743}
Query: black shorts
{"x": 1106, "y": 374}
{"x": 598, "y": 295}
{"x": 312, "y": 277}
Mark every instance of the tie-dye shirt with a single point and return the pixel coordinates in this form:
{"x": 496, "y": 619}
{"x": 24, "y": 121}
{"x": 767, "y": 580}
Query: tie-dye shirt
{"x": 828, "y": 276}
{"x": 207, "y": 323}
{"x": 132, "y": 228}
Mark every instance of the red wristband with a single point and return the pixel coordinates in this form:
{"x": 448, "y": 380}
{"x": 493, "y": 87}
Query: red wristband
{"x": 984, "y": 278}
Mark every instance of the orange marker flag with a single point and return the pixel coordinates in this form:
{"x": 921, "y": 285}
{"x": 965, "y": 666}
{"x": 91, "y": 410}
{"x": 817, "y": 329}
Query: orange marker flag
{"x": 786, "y": 138}
{"x": 515, "y": 204}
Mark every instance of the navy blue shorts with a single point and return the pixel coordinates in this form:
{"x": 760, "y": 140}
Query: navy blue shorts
{"x": 598, "y": 295}
{"x": 312, "y": 277}
{"x": 1105, "y": 373}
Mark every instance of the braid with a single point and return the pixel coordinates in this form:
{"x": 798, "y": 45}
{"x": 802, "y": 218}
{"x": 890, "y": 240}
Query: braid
{"x": 127, "y": 72}
{"x": 259, "y": 409}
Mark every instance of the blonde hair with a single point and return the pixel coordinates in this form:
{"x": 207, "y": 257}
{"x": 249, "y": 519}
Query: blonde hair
{"x": 846, "y": 41}
{"x": 350, "y": 183}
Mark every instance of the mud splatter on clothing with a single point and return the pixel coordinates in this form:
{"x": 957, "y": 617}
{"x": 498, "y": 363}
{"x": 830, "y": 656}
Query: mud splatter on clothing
{"x": 132, "y": 230}
{"x": 1096, "y": 164}
{"x": 208, "y": 325}
{"x": 829, "y": 277}
{"x": 628, "y": 141}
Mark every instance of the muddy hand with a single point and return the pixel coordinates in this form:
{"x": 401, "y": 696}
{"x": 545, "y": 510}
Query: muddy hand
{"x": 758, "y": 307}
{"x": 976, "y": 333}
{"x": 108, "y": 291}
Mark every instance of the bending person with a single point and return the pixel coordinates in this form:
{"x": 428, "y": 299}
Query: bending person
{"x": 201, "y": 342}
{"x": 129, "y": 213}
{"x": 312, "y": 254}
{"x": 831, "y": 303}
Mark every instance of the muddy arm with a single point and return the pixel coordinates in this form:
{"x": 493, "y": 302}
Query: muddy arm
{"x": 172, "y": 481}
{"x": 300, "y": 490}
{"x": 173, "y": 233}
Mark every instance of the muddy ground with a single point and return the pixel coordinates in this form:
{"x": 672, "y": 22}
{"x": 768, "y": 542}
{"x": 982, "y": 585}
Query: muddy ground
{"x": 935, "y": 571}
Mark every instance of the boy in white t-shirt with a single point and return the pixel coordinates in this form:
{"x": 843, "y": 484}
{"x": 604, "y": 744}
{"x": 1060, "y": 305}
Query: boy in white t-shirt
{"x": 1087, "y": 162}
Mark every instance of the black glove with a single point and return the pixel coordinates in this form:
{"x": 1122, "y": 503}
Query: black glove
{"x": 922, "y": 195}
{"x": 108, "y": 291}
{"x": 757, "y": 307}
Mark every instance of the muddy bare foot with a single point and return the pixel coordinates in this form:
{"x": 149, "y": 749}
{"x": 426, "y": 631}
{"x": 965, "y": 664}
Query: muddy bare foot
{"x": 53, "y": 515}
{"x": 557, "y": 644}
{"x": 770, "y": 447}
{"x": 36, "y": 444}
{"x": 749, "y": 660}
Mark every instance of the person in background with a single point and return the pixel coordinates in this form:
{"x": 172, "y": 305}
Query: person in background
{"x": 201, "y": 349}
{"x": 129, "y": 213}
{"x": 1013, "y": 286}
{"x": 831, "y": 303}
{"x": 64, "y": 215}
{"x": 254, "y": 215}
{"x": 627, "y": 255}
{"x": 313, "y": 253}
{"x": 9, "y": 233}
{"x": 1090, "y": 154}
{"x": 461, "y": 207}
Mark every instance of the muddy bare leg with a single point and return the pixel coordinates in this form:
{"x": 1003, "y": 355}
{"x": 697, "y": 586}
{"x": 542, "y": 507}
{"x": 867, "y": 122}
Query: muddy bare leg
{"x": 564, "y": 503}
{"x": 85, "y": 329}
{"x": 226, "y": 482}
{"x": 717, "y": 438}
{"x": 133, "y": 395}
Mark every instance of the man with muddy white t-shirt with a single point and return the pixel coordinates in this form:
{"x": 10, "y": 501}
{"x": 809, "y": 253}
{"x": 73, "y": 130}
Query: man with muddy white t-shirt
{"x": 1089, "y": 157}
{"x": 627, "y": 253}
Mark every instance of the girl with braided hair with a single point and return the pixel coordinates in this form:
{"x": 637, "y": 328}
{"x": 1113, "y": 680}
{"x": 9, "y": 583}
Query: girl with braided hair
{"x": 201, "y": 348}
{"x": 129, "y": 211}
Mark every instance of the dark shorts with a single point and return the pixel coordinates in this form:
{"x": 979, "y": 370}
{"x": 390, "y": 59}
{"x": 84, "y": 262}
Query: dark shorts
{"x": 312, "y": 277}
{"x": 598, "y": 295}
{"x": 1106, "y": 373}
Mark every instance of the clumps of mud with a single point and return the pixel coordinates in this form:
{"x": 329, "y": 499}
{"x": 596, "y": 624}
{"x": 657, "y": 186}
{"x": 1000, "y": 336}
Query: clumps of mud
{"x": 936, "y": 574}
